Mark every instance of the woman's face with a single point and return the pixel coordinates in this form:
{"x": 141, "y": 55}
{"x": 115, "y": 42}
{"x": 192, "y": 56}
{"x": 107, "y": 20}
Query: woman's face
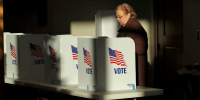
{"x": 122, "y": 17}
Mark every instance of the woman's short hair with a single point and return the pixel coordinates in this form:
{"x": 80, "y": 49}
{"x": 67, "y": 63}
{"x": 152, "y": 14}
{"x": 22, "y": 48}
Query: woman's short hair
{"x": 127, "y": 9}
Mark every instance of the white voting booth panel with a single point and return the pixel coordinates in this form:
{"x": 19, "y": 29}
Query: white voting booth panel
{"x": 106, "y": 23}
{"x": 32, "y": 57}
{"x": 25, "y": 56}
{"x": 11, "y": 53}
{"x": 62, "y": 55}
{"x": 86, "y": 62}
{"x": 106, "y": 64}
{"x": 5, "y": 50}
{"x": 115, "y": 64}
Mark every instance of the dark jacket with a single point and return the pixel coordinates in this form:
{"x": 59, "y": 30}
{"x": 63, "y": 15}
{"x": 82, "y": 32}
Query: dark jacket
{"x": 134, "y": 30}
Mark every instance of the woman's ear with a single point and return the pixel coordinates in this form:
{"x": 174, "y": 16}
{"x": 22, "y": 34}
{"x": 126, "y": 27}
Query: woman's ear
{"x": 129, "y": 15}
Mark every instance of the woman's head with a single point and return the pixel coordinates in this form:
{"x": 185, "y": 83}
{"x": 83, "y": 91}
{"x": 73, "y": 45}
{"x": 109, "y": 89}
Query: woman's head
{"x": 124, "y": 12}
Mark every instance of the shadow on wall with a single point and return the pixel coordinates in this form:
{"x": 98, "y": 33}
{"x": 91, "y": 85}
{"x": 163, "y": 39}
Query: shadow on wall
{"x": 82, "y": 28}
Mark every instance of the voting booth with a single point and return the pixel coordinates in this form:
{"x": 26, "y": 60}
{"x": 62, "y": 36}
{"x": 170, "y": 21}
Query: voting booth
{"x": 25, "y": 56}
{"x": 62, "y": 55}
{"x": 106, "y": 64}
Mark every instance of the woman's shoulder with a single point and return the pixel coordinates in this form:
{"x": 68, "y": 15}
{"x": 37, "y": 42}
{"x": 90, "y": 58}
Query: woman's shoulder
{"x": 133, "y": 21}
{"x": 132, "y": 25}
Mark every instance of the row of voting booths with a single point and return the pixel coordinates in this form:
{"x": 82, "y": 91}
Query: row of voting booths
{"x": 101, "y": 63}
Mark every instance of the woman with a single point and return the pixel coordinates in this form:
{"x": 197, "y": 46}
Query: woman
{"x": 130, "y": 27}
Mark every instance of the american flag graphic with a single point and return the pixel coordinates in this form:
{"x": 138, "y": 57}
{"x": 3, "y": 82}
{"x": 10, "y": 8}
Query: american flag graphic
{"x": 74, "y": 53}
{"x": 116, "y": 57}
{"x": 12, "y": 51}
{"x": 36, "y": 50}
{"x": 52, "y": 54}
{"x": 87, "y": 58}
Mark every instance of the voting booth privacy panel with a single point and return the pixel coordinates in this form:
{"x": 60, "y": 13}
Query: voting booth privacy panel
{"x": 11, "y": 54}
{"x": 106, "y": 23}
{"x": 22, "y": 59}
{"x": 62, "y": 58}
{"x": 106, "y": 64}
{"x": 86, "y": 62}
{"x": 44, "y": 58}
{"x": 5, "y": 50}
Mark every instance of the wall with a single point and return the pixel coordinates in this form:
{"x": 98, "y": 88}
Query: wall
{"x": 191, "y": 23}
